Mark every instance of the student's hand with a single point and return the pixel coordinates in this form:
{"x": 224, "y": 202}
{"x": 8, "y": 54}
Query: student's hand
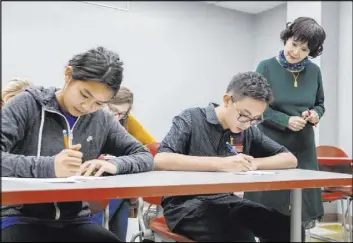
{"x": 313, "y": 118}
{"x": 296, "y": 123}
{"x": 237, "y": 163}
{"x": 97, "y": 167}
{"x": 67, "y": 162}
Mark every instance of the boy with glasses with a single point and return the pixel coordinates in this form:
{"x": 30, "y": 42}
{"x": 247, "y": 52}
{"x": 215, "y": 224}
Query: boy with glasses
{"x": 225, "y": 138}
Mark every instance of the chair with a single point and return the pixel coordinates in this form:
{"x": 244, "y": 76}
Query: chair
{"x": 331, "y": 194}
{"x": 152, "y": 224}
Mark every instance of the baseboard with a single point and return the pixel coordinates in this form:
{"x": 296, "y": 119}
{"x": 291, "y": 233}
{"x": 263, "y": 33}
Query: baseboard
{"x": 339, "y": 216}
{"x": 334, "y": 217}
{"x": 330, "y": 217}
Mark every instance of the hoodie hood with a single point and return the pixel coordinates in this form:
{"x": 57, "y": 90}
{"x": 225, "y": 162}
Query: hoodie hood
{"x": 44, "y": 96}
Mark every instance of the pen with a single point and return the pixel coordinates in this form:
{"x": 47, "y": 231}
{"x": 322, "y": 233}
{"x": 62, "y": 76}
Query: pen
{"x": 309, "y": 114}
{"x": 66, "y": 139}
{"x": 231, "y": 148}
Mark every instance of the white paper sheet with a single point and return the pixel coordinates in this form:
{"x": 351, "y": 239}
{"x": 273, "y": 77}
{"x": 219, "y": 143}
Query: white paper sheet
{"x": 72, "y": 179}
{"x": 256, "y": 173}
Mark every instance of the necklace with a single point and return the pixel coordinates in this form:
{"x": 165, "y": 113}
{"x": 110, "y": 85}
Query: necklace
{"x": 295, "y": 79}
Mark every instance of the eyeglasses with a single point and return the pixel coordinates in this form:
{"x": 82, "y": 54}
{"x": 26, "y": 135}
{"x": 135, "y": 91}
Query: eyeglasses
{"x": 245, "y": 119}
{"x": 115, "y": 112}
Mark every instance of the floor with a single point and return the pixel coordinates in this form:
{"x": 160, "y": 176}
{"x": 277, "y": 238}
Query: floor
{"x": 132, "y": 229}
{"x": 330, "y": 230}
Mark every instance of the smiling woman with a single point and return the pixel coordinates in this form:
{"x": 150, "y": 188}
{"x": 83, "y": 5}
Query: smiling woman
{"x": 298, "y": 105}
{"x": 92, "y": 78}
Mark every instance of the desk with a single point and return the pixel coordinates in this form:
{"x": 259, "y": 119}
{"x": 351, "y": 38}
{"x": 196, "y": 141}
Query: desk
{"x": 168, "y": 183}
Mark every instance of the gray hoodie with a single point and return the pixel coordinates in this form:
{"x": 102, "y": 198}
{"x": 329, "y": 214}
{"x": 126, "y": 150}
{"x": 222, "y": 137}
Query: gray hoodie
{"x": 32, "y": 126}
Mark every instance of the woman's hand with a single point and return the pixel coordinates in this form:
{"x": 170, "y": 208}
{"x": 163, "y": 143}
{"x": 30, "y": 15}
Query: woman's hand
{"x": 296, "y": 123}
{"x": 311, "y": 116}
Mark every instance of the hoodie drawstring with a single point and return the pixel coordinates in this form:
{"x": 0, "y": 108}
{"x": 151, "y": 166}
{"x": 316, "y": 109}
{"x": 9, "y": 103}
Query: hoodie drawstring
{"x": 40, "y": 132}
{"x": 57, "y": 210}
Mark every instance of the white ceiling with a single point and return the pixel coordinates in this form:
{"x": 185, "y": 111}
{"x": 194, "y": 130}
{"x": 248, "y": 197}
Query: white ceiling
{"x": 253, "y": 7}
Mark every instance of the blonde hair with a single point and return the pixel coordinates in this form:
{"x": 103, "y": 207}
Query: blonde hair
{"x": 124, "y": 96}
{"x": 12, "y": 88}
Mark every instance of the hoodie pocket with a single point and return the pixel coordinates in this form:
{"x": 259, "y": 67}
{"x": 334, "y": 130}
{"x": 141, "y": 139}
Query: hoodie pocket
{"x": 41, "y": 210}
{"x": 69, "y": 210}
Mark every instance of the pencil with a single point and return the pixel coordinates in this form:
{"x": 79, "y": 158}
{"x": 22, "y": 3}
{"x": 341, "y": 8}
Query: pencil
{"x": 66, "y": 139}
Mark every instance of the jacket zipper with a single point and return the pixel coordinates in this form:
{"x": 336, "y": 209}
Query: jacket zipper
{"x": 70, "y": 131}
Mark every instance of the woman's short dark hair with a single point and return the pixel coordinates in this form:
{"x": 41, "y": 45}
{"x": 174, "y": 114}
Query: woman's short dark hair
{"x": 99, "y": 65}
{"x": 305, "y": 29}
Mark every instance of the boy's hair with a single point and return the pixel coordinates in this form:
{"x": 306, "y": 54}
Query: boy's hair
{"x": 305, "y": 29}
{"x": 250, "y": 84}
{"x": 99, "y": 65}
{"x": 13, "y": 87}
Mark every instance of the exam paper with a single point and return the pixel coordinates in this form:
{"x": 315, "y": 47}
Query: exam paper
{"x": 71, "y": 179}
{"x": 256, "y": 173}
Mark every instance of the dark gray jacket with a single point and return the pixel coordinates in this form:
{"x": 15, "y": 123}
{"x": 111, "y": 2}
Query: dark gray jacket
{"x": 32, "y": 126}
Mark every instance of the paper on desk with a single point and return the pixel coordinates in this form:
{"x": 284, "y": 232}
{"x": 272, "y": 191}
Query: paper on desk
{"x": 72, "y": 179}
{"x": 256, "y": 173}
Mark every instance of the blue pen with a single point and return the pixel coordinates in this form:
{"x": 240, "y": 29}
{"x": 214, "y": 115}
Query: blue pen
{"x": 231, "y": 148}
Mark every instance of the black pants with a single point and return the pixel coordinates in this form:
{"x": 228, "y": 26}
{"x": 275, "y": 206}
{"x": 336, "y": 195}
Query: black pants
{"x": 69, "y": 233}
{"x": 233, "y": 219}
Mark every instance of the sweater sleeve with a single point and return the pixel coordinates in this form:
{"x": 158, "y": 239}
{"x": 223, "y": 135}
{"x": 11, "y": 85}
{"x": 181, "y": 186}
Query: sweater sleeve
{"x": 273, "y": 117}
{"x": 135, "y": 128}
{"x": 319, "y": 102}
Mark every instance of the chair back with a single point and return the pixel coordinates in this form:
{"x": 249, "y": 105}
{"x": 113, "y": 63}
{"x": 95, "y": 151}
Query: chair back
{"x": 332, "y": 151}
{"x": 153, "y": 147}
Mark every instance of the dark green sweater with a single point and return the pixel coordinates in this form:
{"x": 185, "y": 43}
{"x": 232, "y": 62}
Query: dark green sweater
{"x": 290, "y": 100}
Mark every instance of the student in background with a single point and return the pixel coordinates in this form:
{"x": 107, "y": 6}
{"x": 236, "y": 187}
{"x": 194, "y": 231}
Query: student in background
{"x": 12, "y": 88}
{"x": 120, "y": 106}
{"x": 298, "y": 106}
{"x": 32, "y": 145}
{"x": 221, "y": 138}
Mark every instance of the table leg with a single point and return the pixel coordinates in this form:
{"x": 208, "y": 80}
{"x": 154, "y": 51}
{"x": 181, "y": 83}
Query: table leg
{"x": 296, "y": 215}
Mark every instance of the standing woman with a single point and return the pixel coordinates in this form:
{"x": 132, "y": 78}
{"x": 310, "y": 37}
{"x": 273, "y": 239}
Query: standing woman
{"x": 298, "y": 106}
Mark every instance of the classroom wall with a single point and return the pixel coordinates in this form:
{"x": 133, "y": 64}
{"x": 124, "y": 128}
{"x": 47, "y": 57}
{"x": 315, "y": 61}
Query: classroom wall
{"x": 268, "y": 26}
{"x": 344, "y": 106}
{"x": 329, "y": 69}
{"x": 177, "y": 54}
{"x": 345, "y": 78}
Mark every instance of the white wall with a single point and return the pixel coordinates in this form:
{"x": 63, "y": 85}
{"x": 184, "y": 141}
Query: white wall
{"x": 329, "y": 69}
{"x": 268, "y": 26}
{"x": 176, "y": 54}
{"x": 345, "y": 80}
